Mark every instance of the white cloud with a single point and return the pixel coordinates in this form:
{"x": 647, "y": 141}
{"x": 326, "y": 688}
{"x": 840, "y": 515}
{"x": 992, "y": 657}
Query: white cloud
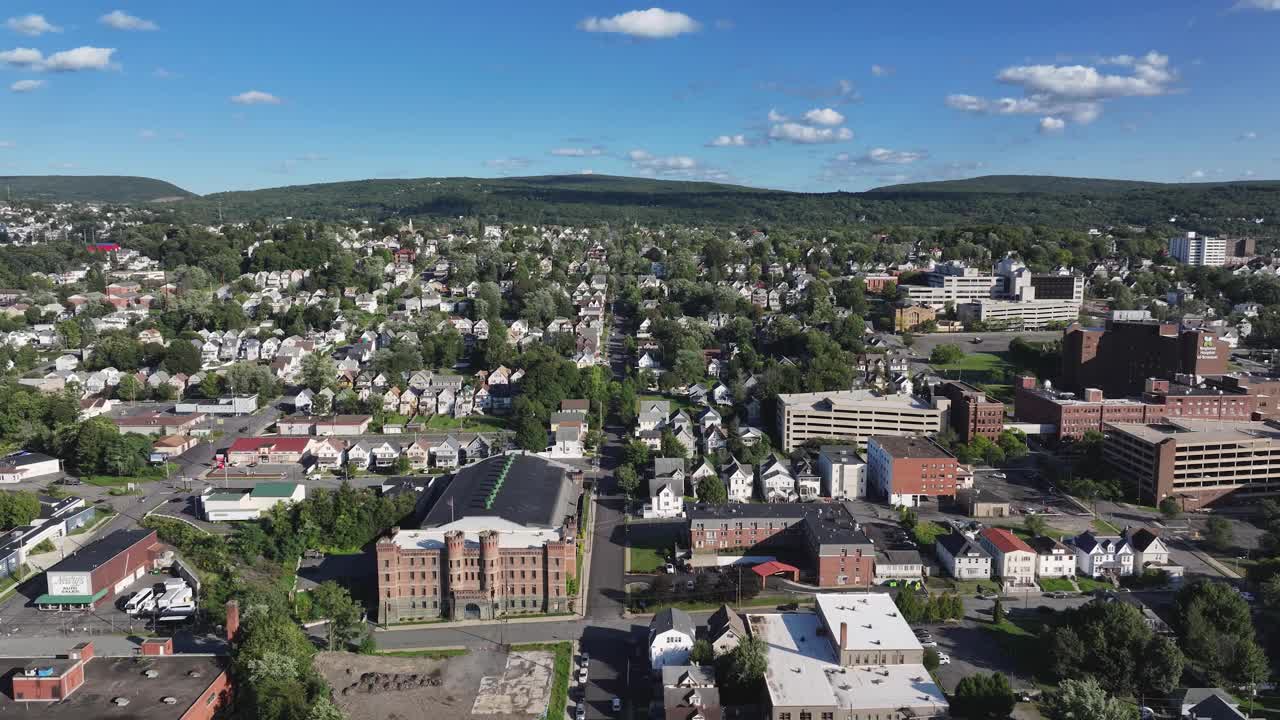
{"x": 1072, "y": 92}
{"x": 1151, "y": 76}
{"x": 1248, "y": 173}
{"x": 255, "y": 97}
{"x": 26, "y": 86}
{"x": 1196, "y": 174}
{"x": 881, "y": 70}
{"x": 683, "y": 166}
{"x": 777, "y": 117}
{"x": 63, "y": 166}
{"x": 1267, "y": 5}
{"x": 1251, "y": 135}
{"x": 842, "y": 92}
{"x": 728, "y": 141}
{"x": 81, "y": 58}
{"x": 148, "y": 134}
{"x": 886, "y": 165}
{"x": 1049, "y": 125}
{"x": 586, "y": 171}
{"x": 652, "y": 24}
{"x": 22, "y": 57}
{"x": 578, "y": 151}
{"x": 33, "y": 25}
{"x": 885, "y": 156}
{"x": 807, "y": 135}
{"x": 120, "y": 20}
{"x": 6, "y": 144}
{"x": 824, "y": 116}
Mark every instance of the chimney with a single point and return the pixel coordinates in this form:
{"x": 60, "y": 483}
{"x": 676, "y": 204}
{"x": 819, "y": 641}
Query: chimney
{"x": 844, "y": 635}
{"x": 82, "y": 652}
{"x": 1092, "y": 395}
{"x": 233, "y": 619}
{"x": 1027, "y": 382}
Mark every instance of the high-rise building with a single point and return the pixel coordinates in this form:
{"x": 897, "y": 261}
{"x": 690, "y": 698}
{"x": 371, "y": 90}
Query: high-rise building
{"x": 854, "y": 416}
{"x": 1120, "y": 357}
{"x": 971, "y": 413}
{"x": 1195, "y": 249}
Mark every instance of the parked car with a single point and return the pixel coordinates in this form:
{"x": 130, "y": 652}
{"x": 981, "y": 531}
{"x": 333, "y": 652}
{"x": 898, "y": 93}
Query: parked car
{"x": 929, "y": 643}
{"x": 944, "y": 659}
{"x": 670, "y": 569}
{"x": 689, "y": 584}
{"x": 616, "y": 704}
{"x": 585, "y": 661}
{"x": 581, "y": 712}
{"x": 789, "y": 607}
{"x": 582, "y": 675}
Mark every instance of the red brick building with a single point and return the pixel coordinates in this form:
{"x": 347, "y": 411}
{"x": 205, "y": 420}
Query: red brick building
{"x": 1119, "y": 358}
{"x": 1074, "y": 414}
{"x": 1265, "y": 389}
{"x": 84, "y": 685}
{"x": 95, "y": 574}
{"x": 822, "y": 536}
{"x": 971, "y": 414}
{"x": 499, "y": 539}
{"x": 907, "y": 470}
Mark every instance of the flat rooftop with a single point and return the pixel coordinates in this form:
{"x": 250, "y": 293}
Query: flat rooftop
{"x": 522, "y": 489}
{"x": 1188, "y": 430}
{"x": 825, "y": 401}
{"x": 873, "y": 619}
{"x": 910, "y": 447}
{"x": 510, "y": 535}
{"x": 803, "y": 671}
{"x": 182, "y": 677}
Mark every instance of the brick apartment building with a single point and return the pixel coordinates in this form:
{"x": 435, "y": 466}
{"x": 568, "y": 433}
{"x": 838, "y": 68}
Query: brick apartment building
{"x": 1264, "y": 388}
{"x": 971, "y": 413}
{"x": 1120, "y": 357}
{"x": 499, "y": 539}
{"x": 1196, "y": 461}
{"x": 1074, "y": 414}
{"x": 907, "y": 470}
{"x": 823, "y": 536}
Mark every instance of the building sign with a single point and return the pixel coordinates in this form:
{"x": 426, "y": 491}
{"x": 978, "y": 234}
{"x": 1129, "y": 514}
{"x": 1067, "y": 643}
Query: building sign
{"x": 69, "y": 583}
{"x": 1208, "y": 348}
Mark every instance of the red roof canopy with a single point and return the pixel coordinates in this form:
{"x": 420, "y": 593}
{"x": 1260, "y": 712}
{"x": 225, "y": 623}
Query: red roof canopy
{"x": 773, "y": 567}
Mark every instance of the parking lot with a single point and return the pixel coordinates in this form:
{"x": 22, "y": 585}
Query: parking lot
{"x": 19, "y": 618}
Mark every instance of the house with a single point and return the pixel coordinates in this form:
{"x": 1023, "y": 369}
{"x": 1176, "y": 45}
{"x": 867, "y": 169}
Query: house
{"x": 963, "y": 558}
{"x": 692, "y": 696}
{"x": 725, "y": 629}
{"x": 274, "y": 450}
{"x": 774, "y": 481}
{"x": 673, "y": 470}
{"x": 671, "y": 635}
{"x": 1053, "y": 559}
{"x": 665, "y": 501}
{"x": 419, "y": 454}
{"x": 1012, "y": 560}
{"x": 447, "y": 453}
{"x": 1102, "y": 555}
{"x": 384, "y": 454}
{"x": 737, "y": 481}
{"x": 1206, "y": 704}
{"x": 359, "y": 455}
{"x": 327, "y": 453}
{"x": 1150, "y": 552}
{"x": 898, "y": 566}
{"x": 843, "y": 472}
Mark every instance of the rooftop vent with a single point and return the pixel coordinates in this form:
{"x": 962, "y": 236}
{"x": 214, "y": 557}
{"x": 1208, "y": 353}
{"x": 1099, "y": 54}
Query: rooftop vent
{"x": 151, "y": 674}
{"x": 169, "y": 700}
{"x": 120, "y": 701}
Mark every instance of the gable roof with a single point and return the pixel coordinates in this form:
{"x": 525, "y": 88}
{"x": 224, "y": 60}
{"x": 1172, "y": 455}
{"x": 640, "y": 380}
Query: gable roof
{"x": 671, "y": 619}
{"x": 723, "y": 620}
{"x": 1143, "y": 539}
{"x": 958, "y": 544}
{"x": 1004, "y": 541}
{"x": 1215, "y": 707}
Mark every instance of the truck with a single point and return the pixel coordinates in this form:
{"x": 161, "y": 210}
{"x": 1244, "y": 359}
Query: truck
{"x": 174, "y": 596}
{"x": 141, "y": 602}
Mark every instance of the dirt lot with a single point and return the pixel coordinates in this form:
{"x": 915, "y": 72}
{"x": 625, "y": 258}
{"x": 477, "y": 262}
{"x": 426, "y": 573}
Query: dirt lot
{"x": 480, "y": 684}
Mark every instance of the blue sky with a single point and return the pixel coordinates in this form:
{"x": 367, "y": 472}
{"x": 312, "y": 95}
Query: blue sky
{"x": 805, "y": 96}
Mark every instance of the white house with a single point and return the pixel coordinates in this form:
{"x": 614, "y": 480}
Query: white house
{"x": 737, "y": 481}
{"x": 671, "y": 635}
{"x": 963, "y": 558}
{"x": 665, "y": 501}
{"x": 249, "y": 504}
{"x": 1012, "y": 560}
{"x": 1053, "y": 559}
{"x": 1102, "y": 555}
{"x": 775, "y": 482}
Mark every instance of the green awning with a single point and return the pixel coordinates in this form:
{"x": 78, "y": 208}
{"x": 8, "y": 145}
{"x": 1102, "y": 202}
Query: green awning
{"x": 48, "y": 599}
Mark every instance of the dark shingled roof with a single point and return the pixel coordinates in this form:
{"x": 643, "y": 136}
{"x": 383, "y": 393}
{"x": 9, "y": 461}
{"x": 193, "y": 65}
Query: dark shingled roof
{"x": 533, "y": 492}
{"x": 93, "y": 555}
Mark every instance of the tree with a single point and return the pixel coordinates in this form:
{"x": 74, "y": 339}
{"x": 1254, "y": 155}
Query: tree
{"x": 671, "y": 447}
{"x": 332, "y": 601}
{"x": 748, "y": 662}
{"x": 711, "y": 490}
{"x": 628, "y": 481}
{"x": 1218, "y": 533}
{"x": 1170, "y": 508}
{"x": 18, "y": 507}
{"x": 931, "y": 661}
{"x": 1084, "y": 700}
{"x": 531, "y": 434}
{"x": 983, "y": 697}
{"x": 1035, "y": 525}
{"x": 318, "y": 371}
{"x": 703, "y": 653}
{"x": 182, "y": 357}
{"x": 946, "y": 354}
{"x": 130, "y": 388}
{"x": 997, "y": 612}
{"x": 1162, "y": 665}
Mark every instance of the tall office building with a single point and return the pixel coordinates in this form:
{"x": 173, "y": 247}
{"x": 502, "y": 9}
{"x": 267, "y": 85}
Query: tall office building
{"x": 1194, "y": 249}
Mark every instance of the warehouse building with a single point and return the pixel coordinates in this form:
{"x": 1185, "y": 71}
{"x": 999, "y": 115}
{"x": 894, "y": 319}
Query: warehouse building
{"x": 27, "y": 466}
{"x": 97, "y": 572}
{"x": 249, "y": 504}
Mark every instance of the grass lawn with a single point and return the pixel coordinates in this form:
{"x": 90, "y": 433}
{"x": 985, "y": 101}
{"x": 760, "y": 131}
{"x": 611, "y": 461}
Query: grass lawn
{"x": 560, "y": 679}
{"x": 998, "y": 391}
{"x": 976, "y": 367}
{"x": 1017, "y": 641}
{"x": 428, "y": 654}
{"x": 1088, "y": 584}
{"x": 1021, "y": 531}
{"x": 646, "y": 560}
{"x": 147, "y": 475}
{"x": 1104, "y": 527}
{"x": 7, "y": 584}
{"x": 927, "y": 532}
{"x": 962, "y": 587}
{"x": 1056, "y": 585}
{"x": 470, "y": 423}
{"x": 100, "y": 516}
{"x": 677, "y": 403}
